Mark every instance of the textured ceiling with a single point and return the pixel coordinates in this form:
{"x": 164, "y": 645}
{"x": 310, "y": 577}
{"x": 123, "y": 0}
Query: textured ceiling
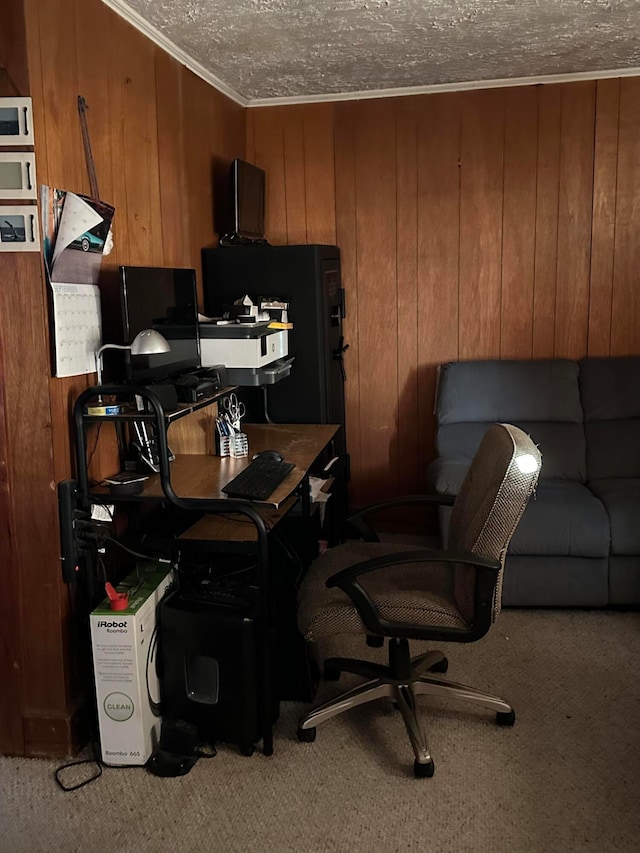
{"x": 300, "y": 48}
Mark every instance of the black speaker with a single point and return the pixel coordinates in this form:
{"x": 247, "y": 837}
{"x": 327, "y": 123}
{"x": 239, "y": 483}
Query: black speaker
{"x": 209, "y": 668}
{"x": 166, "y": 394}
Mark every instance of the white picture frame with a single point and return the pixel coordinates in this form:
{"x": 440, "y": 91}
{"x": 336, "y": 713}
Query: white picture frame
{"x": 18, "y": 175}
{"x": 16, "y": 122}
{"x": 19, "y": 228}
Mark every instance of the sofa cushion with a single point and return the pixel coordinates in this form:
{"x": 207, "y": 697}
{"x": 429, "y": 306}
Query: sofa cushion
{"x": 562, "y": 518}
{"x": 541, "y": 397}
{"x": 610, "y": 389}
{"x": 621, "y": 498}
{"x": 507, "y": 391}
{"x": 613, "y": 449}
{"x": 549, "y": 582}
{"x": 562, "y": 445}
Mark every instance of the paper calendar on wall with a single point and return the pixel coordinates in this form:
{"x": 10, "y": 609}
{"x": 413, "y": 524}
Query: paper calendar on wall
{"x": 76, "y": 232}
{"x": 77, "y": 327}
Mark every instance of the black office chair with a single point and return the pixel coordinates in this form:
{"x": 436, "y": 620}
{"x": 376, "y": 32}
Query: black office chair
{"x": 400, "y": 593}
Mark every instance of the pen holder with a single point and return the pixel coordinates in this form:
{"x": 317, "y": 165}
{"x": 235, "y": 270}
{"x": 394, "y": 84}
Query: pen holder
{"x": 235, "y": 444}
{"x": 238, "y": 445}
{"x": 222, "y": 444}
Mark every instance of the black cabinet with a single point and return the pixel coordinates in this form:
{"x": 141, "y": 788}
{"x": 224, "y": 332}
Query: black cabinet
{"x": 308, "y": 278}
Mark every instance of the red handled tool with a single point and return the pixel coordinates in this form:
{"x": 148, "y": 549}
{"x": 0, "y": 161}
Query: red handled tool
{"x": 118, "y": 600}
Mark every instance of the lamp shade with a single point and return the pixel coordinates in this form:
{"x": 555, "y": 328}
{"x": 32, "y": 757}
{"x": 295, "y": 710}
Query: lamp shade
{"x": 146, "y": 342}
{"x": 149, "y": 342}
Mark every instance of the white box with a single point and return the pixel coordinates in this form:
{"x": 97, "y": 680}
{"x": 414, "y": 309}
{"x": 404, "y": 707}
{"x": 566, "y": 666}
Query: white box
{"x": 18, "y": 175}
{"x": 242, "y": 346}
{"x": 19, "y": 228}
{"x": 16, "y": 122}
{"x": 124, "y": 644}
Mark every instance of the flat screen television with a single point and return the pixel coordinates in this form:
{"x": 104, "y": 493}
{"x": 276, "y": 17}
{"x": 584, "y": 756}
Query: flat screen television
{"x": 165, "y": 299}
{"x": 247, "y": 197}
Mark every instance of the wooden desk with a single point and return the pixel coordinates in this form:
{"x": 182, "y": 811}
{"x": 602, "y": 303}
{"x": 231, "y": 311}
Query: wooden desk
{"x": 203, "y": 476}
{"x": 193, "y": 483}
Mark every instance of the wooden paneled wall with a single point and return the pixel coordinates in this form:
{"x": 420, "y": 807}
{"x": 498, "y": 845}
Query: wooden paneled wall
{"x": 162, "y": 139}
{"x": 500, "y": 223}
{"x": 28, "y": 517}
{"x": 485, "y": 224}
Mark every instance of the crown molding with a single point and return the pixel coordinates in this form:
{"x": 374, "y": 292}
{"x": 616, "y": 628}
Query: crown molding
{"x": 153, "y": 33}
{"x": 445, "y": 87}
{"x": 156, "y": 36}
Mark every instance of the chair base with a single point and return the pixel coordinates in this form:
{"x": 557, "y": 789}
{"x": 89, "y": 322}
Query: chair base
{"x": 402, "y": 681}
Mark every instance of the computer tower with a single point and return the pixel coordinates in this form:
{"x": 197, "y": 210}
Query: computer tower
{"x": 209, "y": 667}
{"x": 308, "y": 278}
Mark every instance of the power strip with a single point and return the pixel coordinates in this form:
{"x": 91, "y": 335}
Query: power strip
{"x": 70, "y": 514}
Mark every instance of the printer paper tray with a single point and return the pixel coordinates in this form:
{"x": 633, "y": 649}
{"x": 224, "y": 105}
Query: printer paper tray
{"x": 269, "y": 374}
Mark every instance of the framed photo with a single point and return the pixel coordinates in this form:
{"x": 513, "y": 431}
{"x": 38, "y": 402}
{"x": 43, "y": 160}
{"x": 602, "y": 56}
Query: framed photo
{"x": 19, "y": 228}
{"x": 17, "y": 175}
{"x": 16, "y": 122}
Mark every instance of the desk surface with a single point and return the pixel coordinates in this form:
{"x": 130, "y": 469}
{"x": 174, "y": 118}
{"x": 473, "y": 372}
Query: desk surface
{"x": 199, "y": 476}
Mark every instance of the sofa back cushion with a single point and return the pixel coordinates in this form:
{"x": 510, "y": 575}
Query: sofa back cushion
{"x": 541, "y": 397}
{"x": 610, "y": 390}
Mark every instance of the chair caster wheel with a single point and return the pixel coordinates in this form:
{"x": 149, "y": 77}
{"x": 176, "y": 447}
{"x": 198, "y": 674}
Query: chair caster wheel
{"x": 306, "y": 735}
{"x": 441, "y": 666}
{"x": 247, "y": 749}
{"x": 423, "y": 771}
{"x": 505, "y": 718}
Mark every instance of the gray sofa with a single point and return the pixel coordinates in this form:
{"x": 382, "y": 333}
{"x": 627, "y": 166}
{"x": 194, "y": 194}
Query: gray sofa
{"x": 578, "y": 543}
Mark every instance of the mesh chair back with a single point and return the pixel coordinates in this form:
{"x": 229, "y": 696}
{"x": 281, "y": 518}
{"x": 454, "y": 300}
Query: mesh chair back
{"x": 490, "y": 503}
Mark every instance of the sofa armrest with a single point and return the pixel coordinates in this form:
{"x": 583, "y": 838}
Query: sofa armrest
{"x": 445, "y": 475}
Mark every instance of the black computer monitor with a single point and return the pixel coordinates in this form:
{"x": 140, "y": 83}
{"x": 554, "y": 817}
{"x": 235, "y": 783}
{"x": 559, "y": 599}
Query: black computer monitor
{"x": 247, "y": 197}
{"x": 164, "y": 299}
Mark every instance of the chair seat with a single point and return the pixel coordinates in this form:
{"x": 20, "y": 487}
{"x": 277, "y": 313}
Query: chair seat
{"x": 406, "y": 592}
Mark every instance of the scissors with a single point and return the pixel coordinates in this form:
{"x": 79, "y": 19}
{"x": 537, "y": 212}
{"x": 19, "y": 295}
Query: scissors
{"x": 234, "y": 408}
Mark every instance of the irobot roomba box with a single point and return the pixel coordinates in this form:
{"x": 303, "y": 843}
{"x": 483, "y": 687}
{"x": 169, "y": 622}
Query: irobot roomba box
{"x": 124, "y": 644}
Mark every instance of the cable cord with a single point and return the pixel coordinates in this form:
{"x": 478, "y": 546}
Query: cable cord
{"x": 137, "y": 553}
{"x": 95, "y": 446}
{"x": 292, "y": 554}
{"x": 265, "y": 404}
{"x": 83, "y": 606}
{"x": 95, "y": 760}
{"x": 101, "y": 536}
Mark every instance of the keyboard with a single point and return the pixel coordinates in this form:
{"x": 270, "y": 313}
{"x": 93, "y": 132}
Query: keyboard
{"x": 258, "y": 480}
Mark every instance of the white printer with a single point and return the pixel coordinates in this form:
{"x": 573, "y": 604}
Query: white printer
{"x": 253, "y": 353}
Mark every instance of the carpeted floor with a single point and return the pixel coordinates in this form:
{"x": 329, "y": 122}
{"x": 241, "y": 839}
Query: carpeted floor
{"x": 565, "y": 778}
